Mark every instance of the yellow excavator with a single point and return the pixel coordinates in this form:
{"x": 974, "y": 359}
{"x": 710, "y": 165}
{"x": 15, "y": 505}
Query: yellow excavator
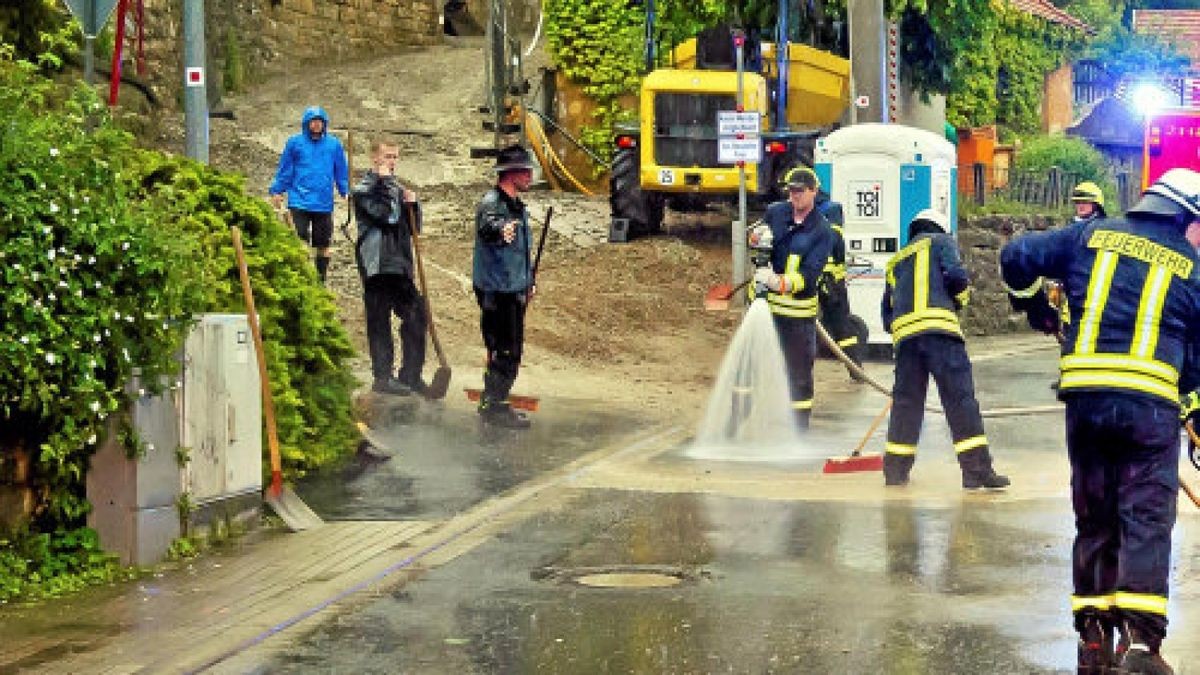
{"x": 669, "y": 156}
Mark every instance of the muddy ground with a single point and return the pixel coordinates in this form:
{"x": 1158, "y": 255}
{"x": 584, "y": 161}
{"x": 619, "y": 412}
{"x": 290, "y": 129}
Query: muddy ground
{"x": 619, "y": 322}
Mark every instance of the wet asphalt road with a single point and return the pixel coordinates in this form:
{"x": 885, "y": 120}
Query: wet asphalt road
{"x": 776, "y": 568}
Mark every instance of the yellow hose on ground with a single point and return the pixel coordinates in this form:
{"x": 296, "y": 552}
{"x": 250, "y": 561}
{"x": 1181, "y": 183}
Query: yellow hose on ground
{"x": 534, "y": 126}
{"x": 547, "y": 168}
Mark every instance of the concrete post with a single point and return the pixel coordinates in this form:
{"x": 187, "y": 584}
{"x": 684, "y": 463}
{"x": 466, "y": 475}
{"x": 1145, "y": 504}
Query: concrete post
{"x": 868, "y": 58}
{"x": 195, "y": 97}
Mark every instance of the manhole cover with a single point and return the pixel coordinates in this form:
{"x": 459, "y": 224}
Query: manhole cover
{"x": 621, "y": 576}
{"x": 628, "y": 580}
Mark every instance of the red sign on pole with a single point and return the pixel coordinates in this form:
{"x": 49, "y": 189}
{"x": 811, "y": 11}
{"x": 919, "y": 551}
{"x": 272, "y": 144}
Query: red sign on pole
{"x": 114, "y": 82}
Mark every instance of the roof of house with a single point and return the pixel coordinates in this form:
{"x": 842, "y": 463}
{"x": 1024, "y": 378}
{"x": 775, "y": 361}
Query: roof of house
{"x": 1046, "y": 10}
{"x": 1178, "y": 26}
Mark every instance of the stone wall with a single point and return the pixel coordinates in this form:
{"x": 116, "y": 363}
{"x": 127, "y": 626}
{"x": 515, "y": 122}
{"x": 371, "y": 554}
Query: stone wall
{"x": 979, "y": 240}
{"x": 271, "y": 36}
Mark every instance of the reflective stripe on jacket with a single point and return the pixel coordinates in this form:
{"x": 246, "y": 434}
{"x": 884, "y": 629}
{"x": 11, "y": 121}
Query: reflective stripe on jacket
{"x": 800, "y": 252}
{"x": 926, "y": 284}
{"x": 1133, "y": 289}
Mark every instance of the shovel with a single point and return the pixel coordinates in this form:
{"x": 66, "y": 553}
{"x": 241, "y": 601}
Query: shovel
{"x": 289, "y": 507}
{"x": 441, "y": 377}
{"x": 717, "y": 298}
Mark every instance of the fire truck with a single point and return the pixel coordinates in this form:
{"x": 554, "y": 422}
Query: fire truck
{"x": 1172, "y": 141}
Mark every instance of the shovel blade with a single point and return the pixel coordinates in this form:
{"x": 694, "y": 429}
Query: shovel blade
{"x": 717, "y": 297}
{"x": 292, "y": 510}
{"x": 439, "y": 385}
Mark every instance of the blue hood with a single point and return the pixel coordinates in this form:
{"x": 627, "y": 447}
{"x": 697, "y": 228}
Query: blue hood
{"x": 314, "y": 112}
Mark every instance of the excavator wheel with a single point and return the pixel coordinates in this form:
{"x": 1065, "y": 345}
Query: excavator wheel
{"x": 626, "y": 198}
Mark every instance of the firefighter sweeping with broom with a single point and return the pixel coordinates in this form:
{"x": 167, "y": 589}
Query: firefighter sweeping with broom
{"x": 926, "y": 285}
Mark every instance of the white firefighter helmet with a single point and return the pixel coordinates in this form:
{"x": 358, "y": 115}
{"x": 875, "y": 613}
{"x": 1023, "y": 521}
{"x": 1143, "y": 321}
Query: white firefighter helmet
{"x": 1176, "y": 192}
{"x": 933, "y": 216}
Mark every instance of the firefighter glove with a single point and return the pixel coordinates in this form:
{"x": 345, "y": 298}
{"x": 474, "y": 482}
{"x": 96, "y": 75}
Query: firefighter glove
{"x": 1041, "y": 315}
{"x": 764, "y": 277}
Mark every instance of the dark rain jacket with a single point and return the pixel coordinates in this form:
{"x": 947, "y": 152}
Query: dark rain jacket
{"x": 926, "y": 285}
{"x": 799, "y": 254}
{"x": 501, "y": 267}
{"x": 384, "y": 241}
{"x": 1133, "y": 289}
{"x": 310, "y": 167}
{"x": 835, "y": 267}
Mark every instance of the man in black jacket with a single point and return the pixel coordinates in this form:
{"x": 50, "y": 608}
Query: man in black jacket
{"x": 383, "y": 251}
{"x": 503, "y": 278}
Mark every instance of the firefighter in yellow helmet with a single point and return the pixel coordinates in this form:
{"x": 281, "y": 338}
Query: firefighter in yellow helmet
{"x": 1088, "y": 199}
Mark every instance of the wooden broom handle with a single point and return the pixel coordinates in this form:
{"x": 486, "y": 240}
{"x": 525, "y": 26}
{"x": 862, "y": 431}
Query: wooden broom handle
{"x": 268, "y": 402}
{"x": 412, "y": 229}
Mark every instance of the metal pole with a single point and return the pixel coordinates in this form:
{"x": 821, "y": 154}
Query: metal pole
{"x": 739, "y": 227}
{"x": 195, "y": 98}
{"x": 89, "y": 58}
{"x": 651, "y": 51}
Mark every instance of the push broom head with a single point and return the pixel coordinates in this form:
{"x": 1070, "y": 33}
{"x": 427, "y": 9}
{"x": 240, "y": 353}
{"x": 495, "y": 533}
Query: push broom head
{"x": 853, "y": 463}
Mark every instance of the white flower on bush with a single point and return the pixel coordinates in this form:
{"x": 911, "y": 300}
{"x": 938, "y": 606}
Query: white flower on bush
{"x": 54, "y": 152}
{"x": 50, "y": 254}
{"x": 125, "y": 246}
{"x": 52, "y": 297}
{"x": 24, "y": 339}
{"x": 96, "y": 339}
{"x": 91, "y": 260}
{"x": 125, "y": 352}
{"x": 91, "y": 439}
{"x": 53, "y": 207}
{"x": 62, "y": 283}
{"x": 79, "y": 292}
{"x": 51, "y": 358}
{"x": 17, "y": 266}
{"x": 95, "y": 406}
{"x": 37, "y": 275}
{"x": 74, "y": 212}
{"x": 116, "y": 315}
{"x": 99, "y": 285}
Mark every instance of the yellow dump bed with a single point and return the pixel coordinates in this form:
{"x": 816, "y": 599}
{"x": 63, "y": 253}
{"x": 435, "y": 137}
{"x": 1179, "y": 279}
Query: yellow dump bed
{"x": 818, "y": 81}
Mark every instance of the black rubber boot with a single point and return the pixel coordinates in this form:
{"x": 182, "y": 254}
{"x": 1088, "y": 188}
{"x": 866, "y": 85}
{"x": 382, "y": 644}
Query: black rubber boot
{"x": 977, "y": 471}
{"x": 391, "y": 386}
{"x": 896, "y": 469}
{"x": 502, "y": 415}
{"x": 322, "y": 264}
{"x": 1141, "y": 656}
{"x": 1095, "y": 648}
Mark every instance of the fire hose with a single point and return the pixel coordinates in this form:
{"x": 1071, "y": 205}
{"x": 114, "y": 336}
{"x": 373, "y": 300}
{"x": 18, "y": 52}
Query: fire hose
{"x": 857, "y": 370}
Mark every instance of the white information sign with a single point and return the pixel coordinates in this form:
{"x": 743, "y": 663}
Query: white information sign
{"x": 732, "y": 123}
{"x": 734, "y": 150}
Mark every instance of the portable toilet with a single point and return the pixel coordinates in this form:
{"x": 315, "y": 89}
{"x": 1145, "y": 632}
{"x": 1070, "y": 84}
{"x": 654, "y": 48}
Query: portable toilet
{"x": 883, "y": 174}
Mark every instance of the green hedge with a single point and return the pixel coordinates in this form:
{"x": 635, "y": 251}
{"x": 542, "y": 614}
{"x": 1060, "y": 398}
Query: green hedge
{"x": 107, "y": 251}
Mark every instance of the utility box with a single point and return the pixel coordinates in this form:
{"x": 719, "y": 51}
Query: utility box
{"x": 883, "y": 175}
{"x": 222, "y": 418}
{"x": 135, "y": 499}
{"x": 214, "y": 413}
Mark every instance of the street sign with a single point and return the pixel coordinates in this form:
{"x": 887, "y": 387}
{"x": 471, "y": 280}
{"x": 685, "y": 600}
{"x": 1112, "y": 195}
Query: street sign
{"x": 92, "y": 14}
{"x": 734, "y": 150}
{"x": 732, "y": 123}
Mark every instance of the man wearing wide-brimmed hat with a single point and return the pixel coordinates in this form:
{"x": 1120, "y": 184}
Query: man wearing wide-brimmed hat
{"x": 503, "y": 282}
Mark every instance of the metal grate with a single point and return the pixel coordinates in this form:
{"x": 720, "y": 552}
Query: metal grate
{"x": 685, "y": 128}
